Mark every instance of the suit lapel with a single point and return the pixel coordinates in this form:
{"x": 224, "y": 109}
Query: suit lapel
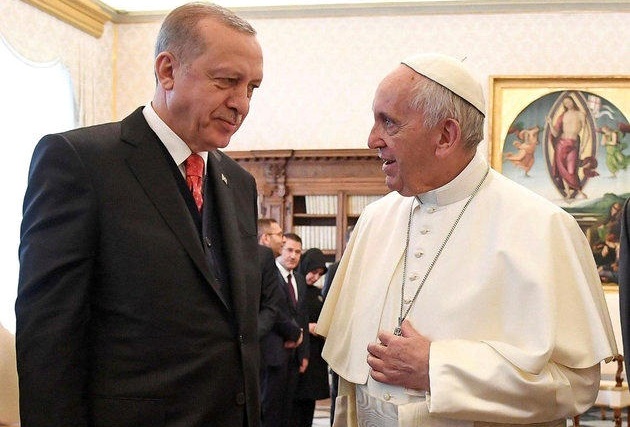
{"x": 218, "y": 180}
{"x": 150, "y": 166}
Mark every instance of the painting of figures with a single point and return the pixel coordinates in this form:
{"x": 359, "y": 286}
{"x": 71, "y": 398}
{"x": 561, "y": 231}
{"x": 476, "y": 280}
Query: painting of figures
{"x": 571, "y": 145}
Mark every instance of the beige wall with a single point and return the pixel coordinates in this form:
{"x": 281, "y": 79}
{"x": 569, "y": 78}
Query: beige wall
{"x": 321, "y": 72}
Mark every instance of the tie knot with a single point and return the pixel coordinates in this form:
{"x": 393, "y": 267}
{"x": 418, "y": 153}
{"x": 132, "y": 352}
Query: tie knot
{"x": 194, "y": 165}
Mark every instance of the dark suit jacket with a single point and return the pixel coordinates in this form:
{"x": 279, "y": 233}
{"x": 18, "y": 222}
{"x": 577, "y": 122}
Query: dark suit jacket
{"x": 271, "y": 297}
{"x": 287, "y": 327}
{"x": 624, "y": 281}
{"x": 120, "y": 320}
{"x": 313, "y": 384}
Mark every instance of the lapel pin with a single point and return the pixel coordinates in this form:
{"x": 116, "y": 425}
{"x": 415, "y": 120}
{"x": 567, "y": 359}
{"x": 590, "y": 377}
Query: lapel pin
{"x": 224, "y": 179}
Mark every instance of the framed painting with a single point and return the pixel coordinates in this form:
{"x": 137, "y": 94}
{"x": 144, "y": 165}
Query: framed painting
{"x": 568, "y": 139}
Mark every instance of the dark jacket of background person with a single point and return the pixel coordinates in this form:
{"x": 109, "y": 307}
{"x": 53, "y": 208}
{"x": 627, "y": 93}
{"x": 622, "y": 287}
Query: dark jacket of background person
{"x": 271, "y": 297}
{"x": 313, "y": 383}
{"x": 287, "y": 327}
{"x": 624, "y": 281}
{"x": 280, "y": 365}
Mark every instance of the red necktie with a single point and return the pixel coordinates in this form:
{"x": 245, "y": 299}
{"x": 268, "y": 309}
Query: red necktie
{"x": 194, "y": 177}
{"x": 291, "y": 290}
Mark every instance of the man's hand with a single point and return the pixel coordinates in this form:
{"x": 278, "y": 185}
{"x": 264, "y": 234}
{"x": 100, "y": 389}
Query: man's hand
{"x": 295, "y": 344}
{"x": 303, "y": 365}
{"x": 311, "y": 328}
{"x": 401, "y": 360}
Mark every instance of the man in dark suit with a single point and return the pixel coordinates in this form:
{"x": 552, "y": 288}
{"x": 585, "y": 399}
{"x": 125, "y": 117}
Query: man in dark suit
{"x": 624, "y": 281}
{"x": 270, "y": 234}
{"x": 283, "y": 355}
{"x": 277, "y": 329}
{"x": 135, "y": 305}
{"x": 271, "y": 296}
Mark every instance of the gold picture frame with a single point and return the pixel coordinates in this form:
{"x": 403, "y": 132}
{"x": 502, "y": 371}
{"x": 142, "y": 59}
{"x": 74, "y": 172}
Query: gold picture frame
{"x": 509, "y": 95}
{"x": 567, "y": 138}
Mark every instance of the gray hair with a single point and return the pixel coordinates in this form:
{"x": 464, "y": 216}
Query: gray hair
{"x": 179, "y": 34}
{"x": 438, "y": 103}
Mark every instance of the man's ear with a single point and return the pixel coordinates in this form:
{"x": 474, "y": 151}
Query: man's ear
{"x": 165, "y": 65}
{"x": 450, "y": 137}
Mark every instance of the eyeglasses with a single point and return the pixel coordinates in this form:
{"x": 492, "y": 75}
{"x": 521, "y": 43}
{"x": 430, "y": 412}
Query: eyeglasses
{"x": 279, "y": 234}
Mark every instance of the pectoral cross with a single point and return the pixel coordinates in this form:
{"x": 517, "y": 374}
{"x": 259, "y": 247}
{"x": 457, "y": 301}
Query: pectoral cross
{"x": 398, "y": 329}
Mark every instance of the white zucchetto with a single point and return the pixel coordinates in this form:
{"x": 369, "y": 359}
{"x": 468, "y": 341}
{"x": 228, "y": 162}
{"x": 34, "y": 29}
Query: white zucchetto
{"x": 451, "y": 74}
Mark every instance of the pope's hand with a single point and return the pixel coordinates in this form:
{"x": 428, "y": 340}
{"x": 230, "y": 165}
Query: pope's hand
{"x": 401, "y": 360}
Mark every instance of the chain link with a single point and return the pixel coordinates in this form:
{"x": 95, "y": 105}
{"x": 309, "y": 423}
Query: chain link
{"x": 402, "y": 317}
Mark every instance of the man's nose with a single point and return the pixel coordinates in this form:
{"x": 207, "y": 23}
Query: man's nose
{"x": 374, "y": 138}
{"x": 239, "y": 100}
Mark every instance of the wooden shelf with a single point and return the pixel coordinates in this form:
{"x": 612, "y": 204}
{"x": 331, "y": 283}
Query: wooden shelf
{"x": 288, "y": 180}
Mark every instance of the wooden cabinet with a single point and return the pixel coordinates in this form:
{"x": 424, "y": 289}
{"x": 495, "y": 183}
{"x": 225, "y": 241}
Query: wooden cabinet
{"x": 316, "y": 194}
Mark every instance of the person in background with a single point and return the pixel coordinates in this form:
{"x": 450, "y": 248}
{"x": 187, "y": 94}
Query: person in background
{"x": 270, "y": 234}
{"x": 296, "y": 359}
{"x": 624, "y": 281}
{"x": 313, "y": 382}
{"x": 277, "y": 329}
{"x": 445, "y": 310}
{"x": 271, "y": 295}
{"x": 278, "y": 345}
{"x": 135, "y": 302}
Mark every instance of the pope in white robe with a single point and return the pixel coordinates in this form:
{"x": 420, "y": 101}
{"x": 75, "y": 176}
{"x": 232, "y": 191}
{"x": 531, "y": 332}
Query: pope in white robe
{"x": 513, "y": 307}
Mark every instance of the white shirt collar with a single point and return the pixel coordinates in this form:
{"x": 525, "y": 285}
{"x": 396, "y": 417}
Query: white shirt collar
{"x": 176, "y": 146}
{"x": 460, "y": 187}
{"x": 283, "y": 270}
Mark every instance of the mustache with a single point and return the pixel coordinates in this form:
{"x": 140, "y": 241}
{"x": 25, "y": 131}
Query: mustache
{"x": 232, "y": 118}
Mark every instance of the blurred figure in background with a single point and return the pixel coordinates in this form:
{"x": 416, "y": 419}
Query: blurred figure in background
{"x": 285, "y": 345}
{"x": 270, "y": 234}
{"x": 313, "y": 383}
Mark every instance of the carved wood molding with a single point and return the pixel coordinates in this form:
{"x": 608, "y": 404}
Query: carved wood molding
{"x": 86, "y": 15}
{"x": 275, "y": 179}
{"x": 259, "y": 155}
{"x": 279, "y": 172}
{"x": 293, "y": 155}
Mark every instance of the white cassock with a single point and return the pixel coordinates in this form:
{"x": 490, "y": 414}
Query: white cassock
{"x": 514, "y": 307}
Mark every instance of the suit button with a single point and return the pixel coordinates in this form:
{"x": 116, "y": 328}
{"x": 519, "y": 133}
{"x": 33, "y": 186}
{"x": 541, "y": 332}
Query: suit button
{"x": 240, "y": 399}
{"x": 241, "y": 339}
{"x": 208, "y": 242}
